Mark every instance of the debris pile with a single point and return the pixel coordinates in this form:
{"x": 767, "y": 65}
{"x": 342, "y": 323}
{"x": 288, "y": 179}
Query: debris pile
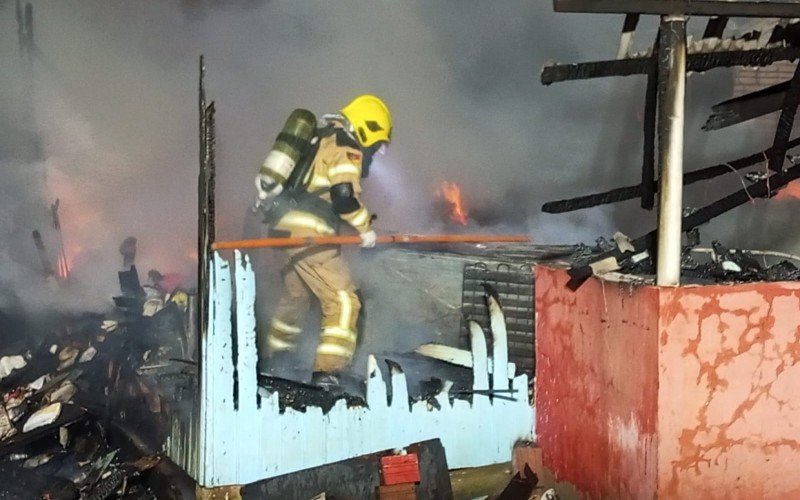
{"x": 84, "y": 409}
{"x": 717, "y": 264}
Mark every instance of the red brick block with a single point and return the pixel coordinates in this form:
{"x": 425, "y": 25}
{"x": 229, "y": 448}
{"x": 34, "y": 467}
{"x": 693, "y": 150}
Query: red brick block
{"x": 397, "y": 469}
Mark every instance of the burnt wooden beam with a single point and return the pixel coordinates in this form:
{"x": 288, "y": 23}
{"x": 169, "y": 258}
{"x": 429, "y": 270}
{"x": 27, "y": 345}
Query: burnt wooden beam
{"x": 44, "y": 260}
{"x": 696, "y": 63}
{"x": 631, "y": 192}
{"x": 791, "y": 101}
{"x": 765, "y": 188}
{"x": 205, "y": 200}
{"x": 687, "y": 7}
{"x": 715, "y": 27}
{"x": 650, "y": 114}
{"x": 747, "y": 107}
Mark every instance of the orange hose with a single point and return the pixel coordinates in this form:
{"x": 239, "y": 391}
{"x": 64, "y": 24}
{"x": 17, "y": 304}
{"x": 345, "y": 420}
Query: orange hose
{"x": 355, "y": 240}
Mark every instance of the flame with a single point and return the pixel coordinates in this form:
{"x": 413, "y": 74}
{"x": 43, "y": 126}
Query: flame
{"x": 791, "y": 191}
{"x": 451, "y": 192}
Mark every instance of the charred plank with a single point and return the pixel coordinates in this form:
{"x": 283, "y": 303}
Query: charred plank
{"x": 715, "y": 27}
{"x": 630, "y": 192}
{"x": 650, "y": 115}
{"x": 747, "y": 106}
{"x": 791, "y": 101}
{"x": 696, "y": 63}
{"x": 47, "y": 267}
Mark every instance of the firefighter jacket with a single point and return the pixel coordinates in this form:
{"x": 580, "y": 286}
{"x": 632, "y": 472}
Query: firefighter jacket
{"x": 337, "y": 161}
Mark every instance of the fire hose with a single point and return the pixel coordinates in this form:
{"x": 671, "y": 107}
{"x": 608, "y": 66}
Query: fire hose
{"x": 356, "y": 240}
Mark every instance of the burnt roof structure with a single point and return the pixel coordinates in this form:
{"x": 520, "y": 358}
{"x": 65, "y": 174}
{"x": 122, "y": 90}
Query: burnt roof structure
{"x": 665, "y": 65}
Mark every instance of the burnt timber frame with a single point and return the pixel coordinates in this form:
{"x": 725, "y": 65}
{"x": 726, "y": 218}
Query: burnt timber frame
{"x": 695, "y": 63}
{"x": 670, "y": 57}
{"x": 631, "y": 192}
{"x": 761, "y": 189}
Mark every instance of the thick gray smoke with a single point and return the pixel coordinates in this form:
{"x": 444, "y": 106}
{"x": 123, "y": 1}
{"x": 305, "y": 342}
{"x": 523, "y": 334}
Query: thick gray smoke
{"x": 112, "y": 100}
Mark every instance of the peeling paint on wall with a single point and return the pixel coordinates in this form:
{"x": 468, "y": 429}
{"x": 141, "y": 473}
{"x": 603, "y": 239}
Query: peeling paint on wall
{"x": 687, "y": 392}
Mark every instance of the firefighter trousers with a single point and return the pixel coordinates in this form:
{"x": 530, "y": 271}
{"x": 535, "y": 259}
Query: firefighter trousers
{"x": 323, "y": 272}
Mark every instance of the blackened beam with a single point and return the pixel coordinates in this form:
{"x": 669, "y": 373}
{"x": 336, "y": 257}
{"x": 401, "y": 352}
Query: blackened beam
{"x": 205, "y": 197}
{"x": 715, "y": 27}
{"x": 762, "y": 189}
{"x": 631, "y": 192}
{"x": 746, "y": 107}
{"x": 650, "y": 115}
{"x": 687, "y": 7}
{"x": 47, "y": 268}
{"x": 791, "y": 100}
{"x": 696, "y": 63}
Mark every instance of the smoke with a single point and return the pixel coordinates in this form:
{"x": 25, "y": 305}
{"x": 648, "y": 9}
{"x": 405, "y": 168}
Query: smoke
{"x": 105, "y": 120}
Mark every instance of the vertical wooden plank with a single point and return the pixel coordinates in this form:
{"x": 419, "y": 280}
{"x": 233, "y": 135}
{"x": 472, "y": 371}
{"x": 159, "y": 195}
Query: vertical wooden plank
{"x": 218, "y": 416}
{"x": 248, "y": 434}
{"x": 206, "y": 394}
{"x": 247, "y": 356}
{"x": 648, "y": 185}
{"x": 377, "y": 399}
{"x": 480, "y": 368}
{"x": 399, "y": 389}
{"x": 497, "y": 322}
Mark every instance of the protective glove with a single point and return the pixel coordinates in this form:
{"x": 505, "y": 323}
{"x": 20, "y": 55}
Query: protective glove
{"x": 368, "y": 239}
{"x": 266, "y": 186}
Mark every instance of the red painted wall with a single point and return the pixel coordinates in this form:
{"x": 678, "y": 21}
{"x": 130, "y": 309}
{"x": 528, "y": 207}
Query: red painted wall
{"x": 690, "y": 392}
{"x": 596, "y": 390}
{"x": 729, "y": 404}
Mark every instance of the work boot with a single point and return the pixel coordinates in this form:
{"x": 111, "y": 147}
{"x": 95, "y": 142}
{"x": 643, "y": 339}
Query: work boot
{"x": 325, "y": 380}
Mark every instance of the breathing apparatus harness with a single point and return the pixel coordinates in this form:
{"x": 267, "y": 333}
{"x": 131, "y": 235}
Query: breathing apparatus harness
{"x": 295, "y": 194}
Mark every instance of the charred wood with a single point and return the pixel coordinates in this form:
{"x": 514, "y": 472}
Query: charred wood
{"x": 613, "y": 259}
{"x": 630, "y": 192}
{"x": 206, "y": 183}
{"x": 696, "y": 63}
{"x": 128, "y": 251}
{"x": 650, "y": 115}
{"x": 20, "y": 483}
{"x": 47, "y": 268}
{"x": 747, "y": 107}
{"x": 715, "y": 27}
{"x": 791, "y": 101}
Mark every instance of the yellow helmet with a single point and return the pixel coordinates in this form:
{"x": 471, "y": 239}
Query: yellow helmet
{"x": 370, "y": 118}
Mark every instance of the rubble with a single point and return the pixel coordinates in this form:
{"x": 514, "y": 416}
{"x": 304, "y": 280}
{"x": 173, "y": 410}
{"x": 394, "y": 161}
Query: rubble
{"x": 68, "y": 394}
{"x": 717, "y": 264}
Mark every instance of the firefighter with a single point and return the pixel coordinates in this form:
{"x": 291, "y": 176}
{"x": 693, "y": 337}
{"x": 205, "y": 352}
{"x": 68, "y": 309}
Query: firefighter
{"x": 343, "y": 148}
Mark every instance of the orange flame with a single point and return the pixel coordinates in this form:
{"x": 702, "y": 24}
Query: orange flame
{"x": 791, "y": 191}
{"x": 451, "y": 192}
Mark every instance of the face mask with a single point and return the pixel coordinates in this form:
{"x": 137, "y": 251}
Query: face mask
{"x": 379, "y": 148}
